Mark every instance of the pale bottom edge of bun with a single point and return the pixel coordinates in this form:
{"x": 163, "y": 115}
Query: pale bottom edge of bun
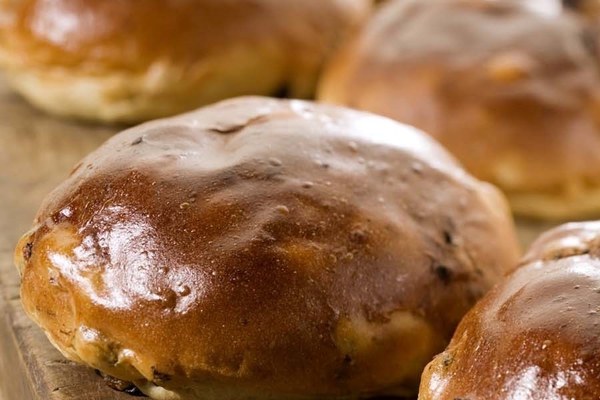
{"x": 157, "y": 392}
{"x": 163, "y": 89}
{"x": 557, "y": 207}
{"x": 112, "y": 98}
{"x": 211, "y": 392}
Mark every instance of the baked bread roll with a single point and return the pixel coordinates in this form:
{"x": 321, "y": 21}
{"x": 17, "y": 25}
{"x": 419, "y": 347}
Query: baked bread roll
{"x": 134, "y": 60}
{"x": 534, "y": 336}
{"x": 263, "y": 249}
{"x": 514, "y": 94}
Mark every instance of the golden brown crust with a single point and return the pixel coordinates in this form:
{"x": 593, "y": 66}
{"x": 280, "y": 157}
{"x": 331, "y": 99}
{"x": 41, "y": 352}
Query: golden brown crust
{"x": 279, "y": 249}
{"x": 514, "y": 94}
{"x": 186, "y": 52}
{"x": 534, "y": 336}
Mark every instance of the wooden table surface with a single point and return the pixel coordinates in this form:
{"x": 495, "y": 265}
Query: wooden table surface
{"x": 36, "y": 153}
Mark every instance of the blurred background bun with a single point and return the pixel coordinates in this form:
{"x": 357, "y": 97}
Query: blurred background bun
{"x": 513, "y": 93}
{"x": 135, "y": 60}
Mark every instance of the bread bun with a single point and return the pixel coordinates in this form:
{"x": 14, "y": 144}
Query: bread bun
{"x": 535, "y": 336}
{"x": 128, "y": 61}
{"x": 514, "y": 94}
{"x": 264, "y": 249}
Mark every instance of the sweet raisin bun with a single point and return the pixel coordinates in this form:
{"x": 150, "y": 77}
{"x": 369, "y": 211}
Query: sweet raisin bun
{"x": 536, "y": 335}
{"x": 264, "y": 249}
{"x": 135, "y": 60}
{"x": 514, "y": 93}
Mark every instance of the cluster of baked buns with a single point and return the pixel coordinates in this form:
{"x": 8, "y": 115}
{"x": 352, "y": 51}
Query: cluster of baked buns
{"x": 278, "y": 248}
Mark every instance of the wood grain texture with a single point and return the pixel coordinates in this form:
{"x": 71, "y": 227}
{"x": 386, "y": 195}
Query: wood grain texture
{"x": 37, "y": 152}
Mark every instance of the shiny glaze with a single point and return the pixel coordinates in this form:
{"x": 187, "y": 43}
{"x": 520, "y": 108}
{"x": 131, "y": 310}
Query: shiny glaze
{"x": 513, "y": 94}
{"x": 102, "y": 35}
{"x": 536, "y": 335}
{"x": 137, "y": 60}
{"x": 275, "y": 246}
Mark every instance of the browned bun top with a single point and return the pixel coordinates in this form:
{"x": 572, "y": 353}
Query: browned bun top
{"x": 136, "y": 60}
{"x": 513, "y": 93}
{"x": 103, "y": 35}
{"x": 277, "y": 246}
{"x": 536, "y": 335}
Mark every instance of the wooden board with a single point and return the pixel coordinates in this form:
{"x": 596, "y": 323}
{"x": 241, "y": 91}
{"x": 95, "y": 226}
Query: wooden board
{"x": 36, "y": 153}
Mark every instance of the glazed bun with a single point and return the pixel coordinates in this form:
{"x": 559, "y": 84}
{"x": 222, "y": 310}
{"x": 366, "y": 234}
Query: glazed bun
{"x": 514, "y": 94}
{"x": 535, "y": 336}
{"x": 135, "y": 60}
{"x": 264, "y": 249}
